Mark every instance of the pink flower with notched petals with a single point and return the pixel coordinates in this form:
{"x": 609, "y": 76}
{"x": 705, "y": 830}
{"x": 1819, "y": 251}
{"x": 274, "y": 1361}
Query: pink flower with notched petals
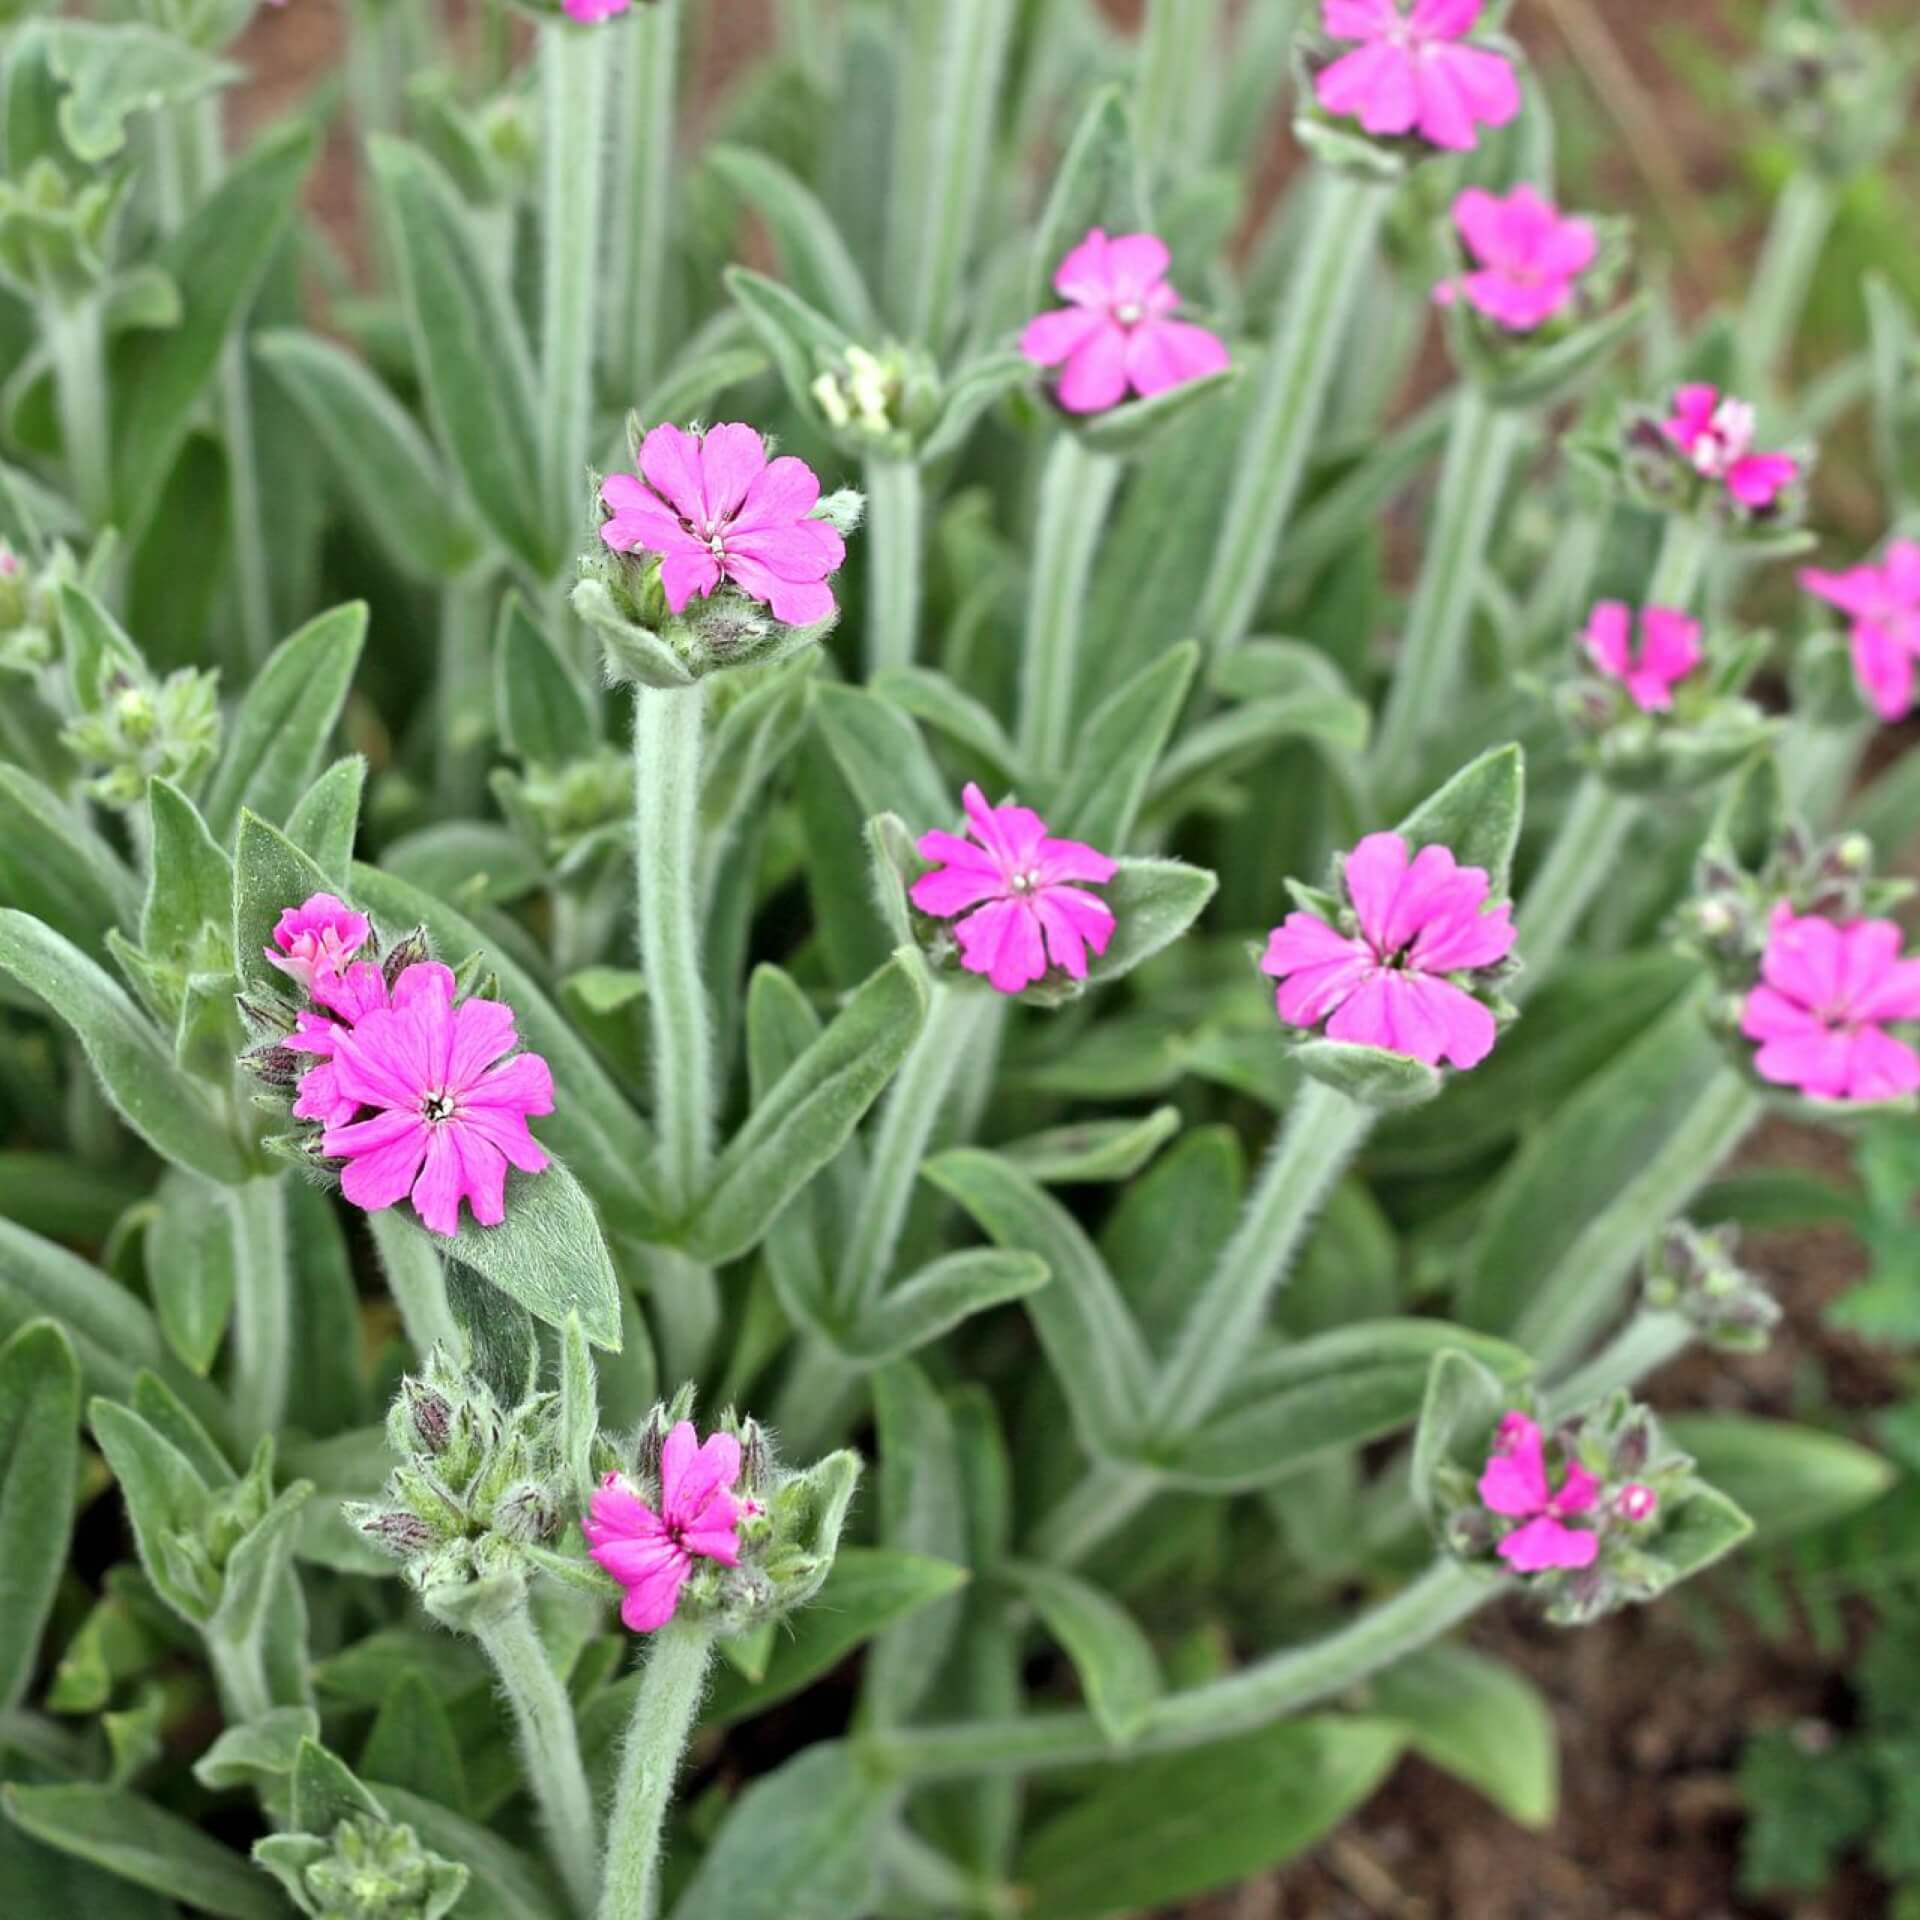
{"x": 1515, "y": 1485}
{"x": 1413, "y": 74}
{"x": 450, "y": 1108}
{"x": 1013, "y": 896}
{"x": 1883, "y": 603}
{"x": 1716, "y": 434}
{"x": 317, "y": 937}
{"x": 348, "y": 997}
{"x": 1117, "y": 335}
{"x": 1669, "y": 650}
{"x": 1421, "y": 918}
{"x": 1531, "y": 257}
{"x": 715, "y": 508}
{"x": 651, "y": 1554}
{"x": 1827, "y": 996}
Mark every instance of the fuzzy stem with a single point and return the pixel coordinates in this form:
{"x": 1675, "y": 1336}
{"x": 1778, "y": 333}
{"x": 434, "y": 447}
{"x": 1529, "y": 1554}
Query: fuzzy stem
{"x": 463, "y": 689}
{"x": 1643, "y": 1346}
{"x": 418, "y": 1284}
{"x": 638, "y": 312}
{"x": 668, "y": 738}
{"x": 1180, "y": 47}
{"x": 76, "y": 341}
{"x": 1075, "y": 493}
{"x": 573, "y": 102}
{"x": 663, "y": 1716}
{"x": 1308, "y": 331}
{"x": 1256, "y": 1696}
{"x": 1583, "y": 854}
{"x": 549, "y": 1744}
{"x": 895, "y": 510}
{"x": 253, "y": 578}
{"x": 262, "y": 1304}
{"x": 1771, "y": 314}
{"x": 239, "y": 1677}
{"x": 1818, "y": 765}
{"x": 1480, "y": 450}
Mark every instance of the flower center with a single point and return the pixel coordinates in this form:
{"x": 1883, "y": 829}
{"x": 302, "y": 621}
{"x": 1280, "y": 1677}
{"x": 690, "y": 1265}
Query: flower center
{"x": 1727, "y": 440}
{"x": 1129, "y": 313}
{"x": 436, "y": 1107}
{"x": 1025, "y": 882}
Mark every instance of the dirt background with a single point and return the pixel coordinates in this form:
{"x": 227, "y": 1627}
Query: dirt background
{"x": 1651, "y": 1726}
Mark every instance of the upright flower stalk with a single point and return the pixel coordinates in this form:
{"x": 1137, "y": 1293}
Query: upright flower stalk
{"x": 1771, "y": 313}
{"x": 74, "y": 331}
{"x": 636, "y": 312}
{"x": 896, "y": 510}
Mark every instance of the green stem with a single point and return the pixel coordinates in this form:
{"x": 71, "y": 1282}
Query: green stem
{"x": 1075, "y": 493}
{"x": 573, "y": 105}
{"x": 1686, "y": 552}
{"x": 895, "y": 510}
{"x": 262, "y": 1304}
{"x": 1643, "y": 1346}
{"x": 1578, "y": 863}
{"x": 670, "y": 1690}
{"x": 1770, "y": 315}
{"x": 1473, "y": 481}
{"x": 1256, "y": 1696}
{"x": 76, "y": 341}
{"x": 463, "y": 687}
{"x": 239, "y": 1677}
{"x": 549, "y": 1744}
{"x": 1309, "y": 330}
{"x": 639, "y": 313}
{"x": 253, "y": 577}
{"x": 1818, "y": 764}
{"x": 668, "y": 740}
{"x": 1180, "y": 48}
{"x": 418, "y": 1284}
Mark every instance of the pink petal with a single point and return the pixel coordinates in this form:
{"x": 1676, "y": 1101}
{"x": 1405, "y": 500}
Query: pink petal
{"x": 1481, "y": 218}
{"x": 1434, "y": 889}
{"x": 442, "y": 1182}
{"x": 1136, "y": 263}
{"x": 1162, "y": 354}
{"x": 953, "y": 889}
{"x": 1545, "y": 1543}
{"x": 482, "y": 1031}
{"x": 1881, "y": 1067}
{"x": 1446, "y": 19}
{"x": 320, "y": 1098}
{"x": 806, "y": 550}
{"x": 1901, "y": 571}
{"x": 1414, "y": 1014}
{"x": 1515, "y": 1480}
{"x": 1569, "y": 249}
{"x": 1050, "y": 338}
{"x": 1803, "y": 959}
{"x": 1446, "y": 116}
{"x": 1096, "y": 375}
{"x": 1377, "y": 84}
{"x": 796, "y": 603}
{"x": 1484, "y": 82}
{"x": 424, "y": 981}
{"x": 786, "y": 491}
{"x": 354, "y": 994}
{"x": 506, "y": 1133}
{"x": 1885, "y": 670}
{"x": 688, "y": 571}
{"x": 1858, "y": 591}
{"x": 518, "y": 1086}
{"x": 1374, "y": 870}
{"x": 1609, "y": 638}
{"x": 372, "y": 1066}
{"x": 732, "y": 458}
{"x": 1578, "y": 1491}
{"x": 1082, "y": 276}
{"x": 383, "y": 1155}
{"x": 1072, "y": 921}
{"x": 1521, "y": 306}
{"x": 1305, "y": 940}
{"x": 1669, "y": 643}
{"x": 1768, "y": 1015}
{"x": 1307, "y": 996}
{"x": 670, "y": 460}
{"x": 1072, "y": 860}
{"x": 1819, "y": 1064}
{"x": 651, "y": 1601}
{"x": 616, "y": 1512}
{"x": 1358, "y": 19}
{"x": 1460, "y": 940}
{"x": 640, "y": 517}
{"x": 691, "y": 1475}
{"x": 1013, "y": 835}
{"x": 1002, "y": 940}
{"x": 1761, "y": 478}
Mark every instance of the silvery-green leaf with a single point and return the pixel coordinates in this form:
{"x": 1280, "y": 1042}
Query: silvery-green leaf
{"x": 800, "y": 338}
{"x": 916, "y": 1311}
{"x": 54, "y": 865}
{"x": 1118, "y": 1670}
{"x": 1476, "y": 814}
{"x": 1117, "y": 749}
{"x": 812, "y": 254}
{"x": 39, "y": 1470}
{"x": 326, "y": 819}
{"x": 936, "y": 701}
{"x": 1133, "y": 427}
{"x": 1374, "y": 1076}
{"x": 112, "y": 71}
{"x": 882, "y": 757}
{"x": 190, "y": 888}
{"x": 545, "y": 711}
{"x": 1459, "y": 1412}
{"x": 634, "y": 654}
{"x": 270, "y": 875}
{"x": 1093, "y": 1150}
{"x": 1101, "y": 183}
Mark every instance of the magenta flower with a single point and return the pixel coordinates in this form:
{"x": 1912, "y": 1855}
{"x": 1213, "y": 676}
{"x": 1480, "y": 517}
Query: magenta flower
{"x": 1412, "y": 74}
{"x": 1515, "y": 1485}
{"x": 1530, "y": 254}
{"x": 317, "y": 938}
{"x": 1883, "y": 603}
{"x": 1716, "y": 435}
{"x": 450, "y": 1108}
{"x": 588, "y": 12}
{"x": 348, "y": 998}
{"x": 1012, "y": 896}
{"x": 715, "y": 508}
{"x": 1636, "y": 1503}
{"x": 651, "y": 1554}
{"x": 1669, "y": 650}
{"x": 1827, "y": 996}
{"x": 1420, "y": 919}
{"x": 1117, "y": 336}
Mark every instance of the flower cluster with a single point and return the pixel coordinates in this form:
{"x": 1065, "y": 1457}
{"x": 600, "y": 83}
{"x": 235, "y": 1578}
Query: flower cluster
{"x": 1415, "y": 71}
{"x": 1702, "y": 453}
{"x": 1529, "y": 258}
{"x": 368, "y": 1868}
{"x": 142, "y": 730}
{"x": 1694, "y": 1274}
{"x": 1882, "y": 605}
{"x": 1649, "y": 665}
{"x": 884, "y": 401}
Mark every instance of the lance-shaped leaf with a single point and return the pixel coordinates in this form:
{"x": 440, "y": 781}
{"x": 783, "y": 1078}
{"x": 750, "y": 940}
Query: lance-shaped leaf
{"x": 168, "y": 1109}
{"x": 1093, "y": 1151}
{"x": 112, "y": 1332}
{"x": 1476, "y": 814}
{"x": 278, "y": 739}
{"x": 808, "y": 1115}
{"x": 39, "y": 1472}
{"x": 971, "y": 391}
{"x": 165, "y": 1495}
{"x": 1464, "y": 1401}
{"x": 1118, "y": 1670}
{"x": 1102, "y": 182}
{"x": 191, "y": 885}
{"x": 1116, "y": 752}
{"x": 935, "y": 701}
{"x": 882, "y": 757}
{"x": 386, "y": 470}
{"x": 1154, "y": 902}
{"x": 270, "y": 874}
{"x": 56, "y": 867}
{"x": 546, "y": 711}
{"x": 800, "y": 338}
{"x": 413, "y": 1745}
{"x": 326, "y": 820}
{"x": 633, "y": 653}
{"x": 1135, "y": 426}
{"x": 1785, "y": 1477}
{"x": 505, "y": 1883}
{"x": 1374, "y": 1076}
{"x": 812, "y": 254}
{"x": 937, "y": 1299}
{"x": 112, "y": 71}
{"x": 191, "y": 1267}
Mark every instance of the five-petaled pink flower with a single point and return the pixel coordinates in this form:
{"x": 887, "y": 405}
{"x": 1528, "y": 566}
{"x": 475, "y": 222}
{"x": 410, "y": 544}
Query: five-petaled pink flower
{"x": 316, "y": 938}
{"x": 1021, "y": 910}
{"x": 348, "y": 998}
{"x": 450, "y": 1108}
{"x": 1827, "y": 996}
{"x": 715, "y": 508}
{"x": 1515, "y": 1485}
{"x": 1883, "y": 603}
{"x": 1117, "y": 334}
{"x": 1716, "y": 435}
{"x": 1669, "y": 650}
{"x": 1421, "y": 918}
{"x": 651, "y": 1554}
{"x": 1413, "y": 74}
{"x": 1531, "y": 256}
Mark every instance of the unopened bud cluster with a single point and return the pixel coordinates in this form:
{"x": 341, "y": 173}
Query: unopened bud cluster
{"x": 55, "y": 231}
{"x": 1835, "y": 91}
{"x": 142, "y": 729}
{"x": 1694, "y": 1273}
{"x": 195, "y": 1560}
{"x": 878, "y": 402}
{"x": 368, "y": 1869}
{"x": 567, "y": 814}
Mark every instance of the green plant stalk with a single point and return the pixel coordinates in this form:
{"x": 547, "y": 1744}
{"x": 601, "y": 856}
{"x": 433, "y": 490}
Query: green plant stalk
{"x": 642, "y": 210}
{"x": 951, "y": 62}
{"x": 463, "y": 690}
{"x": 573, "y": 104}
{"x": 1480, "y": 451}
{"x": 663, "y": 1716}
{"x": 549, "y": 1743}
{"x": 1076, "y": 491}
{"x": 1600, "y": 818}
{"x": 1818, "y": 764}
{"x": 1180, "y": 50}
{"x": 896, "y": 508}
{"x": 75, "y": 333}
{"x": 262, "y": 1304}
{"x": 418, "y": 1284}
{"x": 1643, "y": 1346}
{"x": 1256, "y": 1696}
{"x": 239, "y": 1676}
{"x": 1775, "y": 303}
{"x": 1309, "y": 329}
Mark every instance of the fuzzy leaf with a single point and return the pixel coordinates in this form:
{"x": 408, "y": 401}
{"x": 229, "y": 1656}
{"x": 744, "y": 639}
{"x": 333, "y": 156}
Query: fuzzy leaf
{"x": 413, "y": 1745}
{"x": 882, "y": 757}
{"x": 1787, "y": 1478}
{"x": 55, "y": 866}
{"x": 191, "y": 888}
{"x": 938, "y": 1298}
{"x": 812, "y": 254}
{"x": 191, "y": 1268}
{"x": 1477, "y": 815}
{"x": 545, "y": 711}
{"x": 1102, "y": 182}
{"x": 1117, "y": 750}
{"x": 326, "y": 820}
{"x": 1115, "y": 1661}
{"x": 270, "y": 874}
{"x": 39, "y": 1473}
{"x": 1458, "y": 1415}
{"x": 1374, "y": 1076}
{"x": 1100, "y": 1151}
{"x": 799, "y": 337}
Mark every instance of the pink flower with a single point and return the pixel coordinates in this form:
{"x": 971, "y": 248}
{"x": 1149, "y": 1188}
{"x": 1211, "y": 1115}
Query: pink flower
{"x": 590, "y": 11}
{"x": 349, "y": 997}
{"x": 316, "y": 938}
{"x": 1021, "y": 914}
{"x": 1412, "y": 75}
{"x": 651, "y": 1554}
{"x": 1828, "y": 993}
{"x": 1515, "y": 1484}
{"x": 714, "y": 508}
{"x": 9, "y": 560}
{"x": 1716, "y": 434}
{"x": 1636, "y": 1503}
{"x": 1116, "y": 335}
{"x": 1884, "y": 604}
{"x": 448, "y": 1119}
{"x": 1669, "y": 650}
{"x": 1420, "y": 919}
{"x": 1530, "y": 256}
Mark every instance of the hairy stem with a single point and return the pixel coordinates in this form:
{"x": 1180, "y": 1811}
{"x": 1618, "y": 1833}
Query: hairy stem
{"x": 663, "y": 1716}
{"x": 76, "y": 341}
{"x": 262, "y": 1304}
{"x": 638, "y": 314}
{"x": 895, "y": 510}
{"x": 1775, "y": 302}
{"x": 1180, "y": 50}
{"x": 1643, "y": 1346}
